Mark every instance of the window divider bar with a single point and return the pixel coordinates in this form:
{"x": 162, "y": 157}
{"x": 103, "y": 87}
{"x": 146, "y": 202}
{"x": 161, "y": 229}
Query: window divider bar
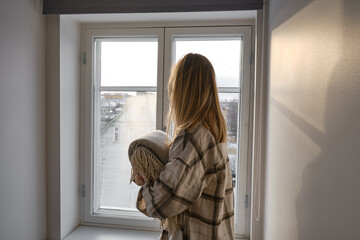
{"x": 153, "y": 89}
{"x": 228, "y": 89}
{"x": 129, "y": 89}
{"x": 208, "y": 37}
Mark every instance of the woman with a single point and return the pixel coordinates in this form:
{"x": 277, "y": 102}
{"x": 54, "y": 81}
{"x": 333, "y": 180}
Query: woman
{"x": 195, "y": 187}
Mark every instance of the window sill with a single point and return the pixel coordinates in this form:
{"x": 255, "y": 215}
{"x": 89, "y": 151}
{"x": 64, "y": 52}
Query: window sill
{"x": 96, "y": 233}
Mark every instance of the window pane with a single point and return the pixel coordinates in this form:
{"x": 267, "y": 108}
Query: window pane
{"x": 224, "y": 54}
{"x": 129, "y": 62}
{"x": 128, "y": 115}
{"x": 229, "y": 103}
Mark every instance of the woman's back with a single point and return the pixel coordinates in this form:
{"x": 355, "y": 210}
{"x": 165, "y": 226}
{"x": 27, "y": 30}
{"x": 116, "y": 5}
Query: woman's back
{"x": 197, "y": 186}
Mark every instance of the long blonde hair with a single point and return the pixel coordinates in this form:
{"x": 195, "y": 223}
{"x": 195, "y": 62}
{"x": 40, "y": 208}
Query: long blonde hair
{"x": 193, "y": 97}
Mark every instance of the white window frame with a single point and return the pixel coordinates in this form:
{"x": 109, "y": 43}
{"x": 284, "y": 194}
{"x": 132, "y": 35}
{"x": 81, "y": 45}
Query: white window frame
{"x": 165, "y": 58}
{"x": 128, "y": 219}
{"x": 244, "y": 101}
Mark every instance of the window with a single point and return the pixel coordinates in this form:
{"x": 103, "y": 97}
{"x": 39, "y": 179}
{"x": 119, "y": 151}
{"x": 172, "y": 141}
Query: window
{"x": 126, "y": 96}
{"x": 228, "y": 49}
{"x": 116, "y": 134}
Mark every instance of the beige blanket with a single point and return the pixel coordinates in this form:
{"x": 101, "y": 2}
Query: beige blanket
{"x": 148, "y": 155}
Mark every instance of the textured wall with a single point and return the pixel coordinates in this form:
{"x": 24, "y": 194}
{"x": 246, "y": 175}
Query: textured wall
{"x": 22, "y": 121}
{"x": 313, "y": 152}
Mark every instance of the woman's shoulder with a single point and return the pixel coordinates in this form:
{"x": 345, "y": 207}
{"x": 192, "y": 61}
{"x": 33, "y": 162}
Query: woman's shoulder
{"x": 198, "y": 143}
{"x": 203, "y": 135}
{"x": 207, "y": 141}
{"x": 199, "y": 136}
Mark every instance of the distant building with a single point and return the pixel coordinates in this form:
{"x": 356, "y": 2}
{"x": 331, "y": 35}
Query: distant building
{"x": 124, "y": 118}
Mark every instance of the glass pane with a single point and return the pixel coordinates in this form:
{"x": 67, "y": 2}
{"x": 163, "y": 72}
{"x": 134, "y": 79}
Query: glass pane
{"x": 124, "y": 116}
{"x": 224, "y": 54}
{"x": 229, "y": 103}
{"x": 129, "y": 62}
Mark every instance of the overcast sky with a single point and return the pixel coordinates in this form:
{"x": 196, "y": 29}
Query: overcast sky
{"x": 131, "y": 63}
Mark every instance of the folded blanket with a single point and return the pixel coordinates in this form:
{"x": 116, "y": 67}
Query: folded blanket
{"x": 148, "y": 155}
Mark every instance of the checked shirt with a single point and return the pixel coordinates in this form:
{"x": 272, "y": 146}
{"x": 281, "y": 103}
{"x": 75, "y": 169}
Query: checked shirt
{"x": 196, "y": 185}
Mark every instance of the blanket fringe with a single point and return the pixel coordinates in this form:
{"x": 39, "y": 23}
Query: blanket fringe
{"x": 147, "y": 165}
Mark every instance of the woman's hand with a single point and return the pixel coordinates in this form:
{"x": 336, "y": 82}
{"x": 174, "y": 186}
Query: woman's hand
{"x": 139, "y": 180}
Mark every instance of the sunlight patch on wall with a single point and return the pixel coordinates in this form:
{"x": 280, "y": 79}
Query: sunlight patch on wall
{"x": 301, "y": 68}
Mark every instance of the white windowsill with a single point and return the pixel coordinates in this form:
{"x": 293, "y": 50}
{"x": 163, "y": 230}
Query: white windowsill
{"x": 99, "y": 233}
{"x": 102, "y": 233}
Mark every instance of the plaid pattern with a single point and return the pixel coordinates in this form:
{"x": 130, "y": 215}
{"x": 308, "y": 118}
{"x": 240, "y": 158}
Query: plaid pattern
{"x": 196, "y": 185}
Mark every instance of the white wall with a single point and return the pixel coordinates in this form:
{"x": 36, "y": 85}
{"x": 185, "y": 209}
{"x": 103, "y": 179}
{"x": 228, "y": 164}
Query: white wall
{"x": 22, "y": 121}
{"x": 63, "y": 77}
{"x": 53, "y": 126}
{"x": 313, "y": 152}
{"x": 69, "y": 124}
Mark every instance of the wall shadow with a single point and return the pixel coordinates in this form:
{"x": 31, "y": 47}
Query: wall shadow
{"x": 285, "y": 9}
{"x": 328, "y": 205}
